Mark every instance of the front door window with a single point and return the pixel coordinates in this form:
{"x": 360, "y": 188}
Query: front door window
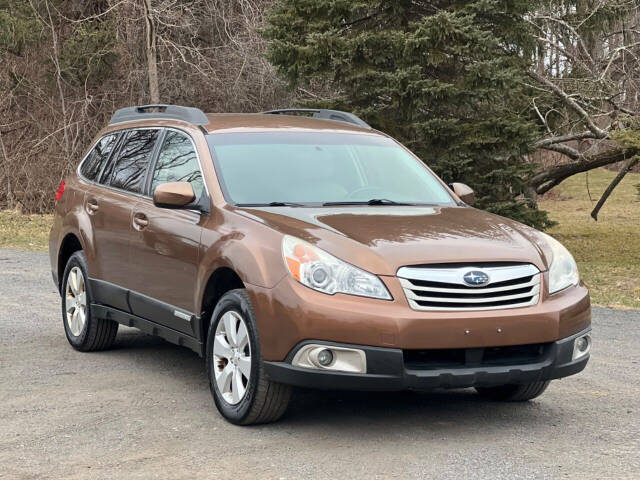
{"x": 177, "y": 162}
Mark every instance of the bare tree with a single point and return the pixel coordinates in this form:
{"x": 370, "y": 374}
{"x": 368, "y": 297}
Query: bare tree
{"x": 151, "y": 51}
{"x": 588, "y": 77}
{"x": 54, "y": 98}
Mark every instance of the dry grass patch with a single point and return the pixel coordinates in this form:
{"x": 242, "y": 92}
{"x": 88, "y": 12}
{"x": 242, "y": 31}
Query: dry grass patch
{"x": 29, "y": 232}
{"x": 607, "y": 251}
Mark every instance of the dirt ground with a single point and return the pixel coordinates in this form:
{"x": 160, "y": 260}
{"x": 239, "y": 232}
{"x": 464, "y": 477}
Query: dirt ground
{"x": 143, "y": 410}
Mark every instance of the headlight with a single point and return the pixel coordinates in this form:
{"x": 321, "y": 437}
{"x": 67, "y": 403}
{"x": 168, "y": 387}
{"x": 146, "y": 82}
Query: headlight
{"x": 325, "y": 273}
{"x": 563, "y": 271}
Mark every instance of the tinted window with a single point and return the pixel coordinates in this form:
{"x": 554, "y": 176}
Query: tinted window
{"x": 95, "y": 160}
{"x": 177, "y": 162}
{"x": 129, "y": 170}
{"x": 312, "y": 168}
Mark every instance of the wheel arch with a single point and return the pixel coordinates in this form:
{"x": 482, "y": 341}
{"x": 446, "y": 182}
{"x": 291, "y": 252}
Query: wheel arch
{"x": 220, "y": 281}
{"x": 70, "y": 244}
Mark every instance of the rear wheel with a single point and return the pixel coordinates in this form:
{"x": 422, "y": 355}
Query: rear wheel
{"x": 240, "y": 388}
{"x": 84, "y": 332}
{"x": 514, "y": 393}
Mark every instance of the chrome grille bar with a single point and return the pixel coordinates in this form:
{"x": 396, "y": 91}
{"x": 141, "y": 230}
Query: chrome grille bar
{"x": 444, "y": 288}
{"x": 407, "y": 284}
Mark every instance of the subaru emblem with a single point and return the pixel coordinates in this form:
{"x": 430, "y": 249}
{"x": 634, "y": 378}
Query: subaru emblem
{"x": 476, "y": 278}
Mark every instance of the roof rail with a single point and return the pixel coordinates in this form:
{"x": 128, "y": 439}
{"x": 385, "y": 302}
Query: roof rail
{"x": 324, "y": 114}
{"x": 191, "y": 115}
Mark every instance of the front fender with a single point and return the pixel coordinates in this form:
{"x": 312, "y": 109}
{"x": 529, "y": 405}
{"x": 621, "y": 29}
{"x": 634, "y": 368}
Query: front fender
{"x": 251, "y": 250}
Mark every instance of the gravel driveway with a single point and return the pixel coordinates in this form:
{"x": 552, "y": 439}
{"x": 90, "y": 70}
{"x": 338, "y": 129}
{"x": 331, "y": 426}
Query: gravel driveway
{"x": 143, "y": 410}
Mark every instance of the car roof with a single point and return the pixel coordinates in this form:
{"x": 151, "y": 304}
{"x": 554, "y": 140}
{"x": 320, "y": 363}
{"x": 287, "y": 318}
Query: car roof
{"x": 254, "y": 122}
{"x": 220, "y": 123}
{"x": 248, "y": 122}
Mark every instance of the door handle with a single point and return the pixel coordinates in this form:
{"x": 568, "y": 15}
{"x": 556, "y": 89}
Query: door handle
{"x": 92, "y": 206}
{"x": 140, "y": 221}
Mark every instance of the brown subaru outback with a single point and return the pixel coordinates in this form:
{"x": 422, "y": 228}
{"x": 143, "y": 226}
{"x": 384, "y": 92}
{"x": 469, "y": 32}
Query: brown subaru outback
{"x": 304, "y": 248}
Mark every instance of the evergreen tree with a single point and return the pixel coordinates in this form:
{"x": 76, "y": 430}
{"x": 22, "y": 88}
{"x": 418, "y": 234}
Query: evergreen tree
{"x": 446, "y": 78}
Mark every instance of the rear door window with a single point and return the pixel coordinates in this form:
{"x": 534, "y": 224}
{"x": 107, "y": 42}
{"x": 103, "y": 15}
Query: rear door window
{"x": 92, "y": 165}
{"x": 178, "y": 162}
{"x": 128, "y": 171}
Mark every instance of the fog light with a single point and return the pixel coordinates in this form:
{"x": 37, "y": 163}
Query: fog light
{"x": 325, "y": 357}
{"x": 581, "y": 346}
{"x": 319, "y": 357}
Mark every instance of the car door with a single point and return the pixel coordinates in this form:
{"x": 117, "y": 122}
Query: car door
{"x": 165, "y": 247}
{"x": 109, "y": 204}
{"x": 109, "y": 222}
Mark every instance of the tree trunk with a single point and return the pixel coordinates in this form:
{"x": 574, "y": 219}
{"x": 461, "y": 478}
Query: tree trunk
{"x": 152, "y": 63}
{"x": 56, "y": 61}
{"x": 544, "y": 181}
{"x": 6, "y": 168}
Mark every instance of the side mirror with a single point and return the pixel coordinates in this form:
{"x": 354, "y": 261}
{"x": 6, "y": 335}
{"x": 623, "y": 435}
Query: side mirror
{"x": 173, "y": 195}
{"x": 464, "y": 192}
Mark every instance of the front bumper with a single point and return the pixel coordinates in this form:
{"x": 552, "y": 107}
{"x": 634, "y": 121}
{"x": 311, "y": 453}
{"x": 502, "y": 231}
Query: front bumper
{"x": 291, "y": 313}
{"x": 388, "y": 370}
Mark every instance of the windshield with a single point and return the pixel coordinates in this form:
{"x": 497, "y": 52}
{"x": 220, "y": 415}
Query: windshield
{"x": 320, "y": 168}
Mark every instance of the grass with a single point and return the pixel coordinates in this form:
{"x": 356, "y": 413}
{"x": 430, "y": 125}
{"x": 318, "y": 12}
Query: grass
{"x": 29, "y": 232}
{"x": 607, "y": 251}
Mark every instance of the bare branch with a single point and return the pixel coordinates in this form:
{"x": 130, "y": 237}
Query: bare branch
{"x": 571, "y": 103}
{"x": 614, "y": 183}
{"x": 545, "y": 142}
{"x": 573, "y": 31}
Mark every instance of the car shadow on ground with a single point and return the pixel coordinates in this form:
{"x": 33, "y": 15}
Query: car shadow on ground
{"x": 461, "y": 408}
{"x": 444, "y": 411}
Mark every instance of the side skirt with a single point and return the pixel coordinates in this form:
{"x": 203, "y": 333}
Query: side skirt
{"x": 139, "y": 305}
{"x": 147, "y": 326}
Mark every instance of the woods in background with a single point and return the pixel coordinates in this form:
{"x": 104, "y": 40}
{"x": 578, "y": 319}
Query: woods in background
{"x": 486, "y": 92}
{"x": 68, "y": 65}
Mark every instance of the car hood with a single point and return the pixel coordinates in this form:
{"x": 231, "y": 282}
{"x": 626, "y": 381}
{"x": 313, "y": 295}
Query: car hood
{"x": 382, "y": 239}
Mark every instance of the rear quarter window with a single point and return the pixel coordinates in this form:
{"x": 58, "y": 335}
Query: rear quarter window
{"x": 92, "y": 165}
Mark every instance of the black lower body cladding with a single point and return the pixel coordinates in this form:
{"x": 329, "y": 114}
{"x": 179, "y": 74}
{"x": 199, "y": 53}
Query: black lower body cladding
{"x": 391, "y": 369}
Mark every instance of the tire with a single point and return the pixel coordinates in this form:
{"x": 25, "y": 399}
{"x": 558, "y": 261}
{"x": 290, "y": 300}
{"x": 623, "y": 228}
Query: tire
{"x": 514, "y": 393}
{"x": 91, "y": 334}
{"x": 240, "y": 400}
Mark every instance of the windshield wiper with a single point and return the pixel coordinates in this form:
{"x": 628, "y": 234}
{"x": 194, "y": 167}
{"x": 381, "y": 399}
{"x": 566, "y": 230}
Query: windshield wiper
{"x": 373, "y": 201}
{"x": 385, "y": 201}
{"x": 270, "y": 204}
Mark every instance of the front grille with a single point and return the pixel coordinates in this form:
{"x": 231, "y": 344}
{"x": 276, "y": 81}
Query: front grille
{"x": 475, "y": 357}
{"x": 444, "y": 288}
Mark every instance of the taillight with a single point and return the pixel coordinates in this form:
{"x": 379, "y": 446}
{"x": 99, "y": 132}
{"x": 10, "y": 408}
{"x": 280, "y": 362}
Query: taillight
{"x": 60, "y": 191}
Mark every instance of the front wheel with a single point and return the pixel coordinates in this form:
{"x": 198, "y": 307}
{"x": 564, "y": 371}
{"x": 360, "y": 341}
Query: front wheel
{"x": 240, "y": 388}
{"x": 514, "y": 393}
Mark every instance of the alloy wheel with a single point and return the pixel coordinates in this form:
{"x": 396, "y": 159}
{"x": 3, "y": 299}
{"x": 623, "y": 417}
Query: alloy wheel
{"x": 76, "y": 301}
{"x": 232, "y": 357}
